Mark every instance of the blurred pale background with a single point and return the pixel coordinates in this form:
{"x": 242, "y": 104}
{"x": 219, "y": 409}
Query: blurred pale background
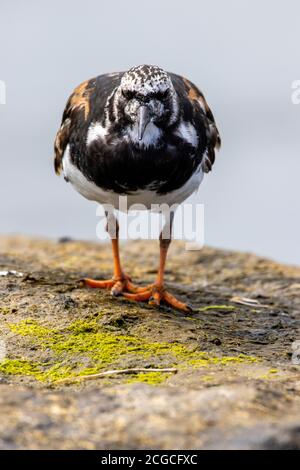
{"x": 243, "y": 54}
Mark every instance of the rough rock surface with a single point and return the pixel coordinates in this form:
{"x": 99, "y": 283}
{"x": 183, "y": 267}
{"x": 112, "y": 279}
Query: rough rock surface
{"x": 237, "y": 358}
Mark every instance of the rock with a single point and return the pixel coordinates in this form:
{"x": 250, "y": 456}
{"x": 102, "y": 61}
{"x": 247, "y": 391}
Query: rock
{"x": 236, "y": 355}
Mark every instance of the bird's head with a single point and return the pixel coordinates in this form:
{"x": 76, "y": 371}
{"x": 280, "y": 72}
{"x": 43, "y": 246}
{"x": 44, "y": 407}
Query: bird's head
{"x": 147, "y": 96}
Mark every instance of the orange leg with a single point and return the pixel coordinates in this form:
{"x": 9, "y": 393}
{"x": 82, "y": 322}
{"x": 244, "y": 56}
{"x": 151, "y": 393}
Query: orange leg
{"x": 156, "y": 292}
{"x": 120, "y": 281}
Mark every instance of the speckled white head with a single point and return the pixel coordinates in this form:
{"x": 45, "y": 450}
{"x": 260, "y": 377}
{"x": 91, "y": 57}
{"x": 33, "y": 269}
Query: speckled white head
{"x": 146, "y": 79}
{"x": 151, "y": 88}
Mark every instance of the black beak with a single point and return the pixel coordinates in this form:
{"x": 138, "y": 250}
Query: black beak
{"x": 143, "y": 119}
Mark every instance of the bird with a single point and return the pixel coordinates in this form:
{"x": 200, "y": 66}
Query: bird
{"x": 146, "y": 134}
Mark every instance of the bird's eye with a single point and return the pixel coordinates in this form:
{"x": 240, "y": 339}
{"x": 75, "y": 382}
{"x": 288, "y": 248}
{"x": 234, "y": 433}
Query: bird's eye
{"x": 128, "y": 94}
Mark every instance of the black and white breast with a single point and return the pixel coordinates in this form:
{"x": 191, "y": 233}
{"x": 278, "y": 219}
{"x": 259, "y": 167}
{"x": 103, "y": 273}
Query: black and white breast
{"x": 145, "y": 133}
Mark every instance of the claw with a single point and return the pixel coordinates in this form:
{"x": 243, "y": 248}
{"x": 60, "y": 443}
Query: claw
{"x": 155, "y": 296}
{"x": 173, "y": 302}
{"x": 117, "y": 288}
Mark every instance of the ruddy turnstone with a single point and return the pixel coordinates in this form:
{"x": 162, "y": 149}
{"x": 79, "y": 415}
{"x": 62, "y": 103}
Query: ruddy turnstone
{"x": 147, "y": 134}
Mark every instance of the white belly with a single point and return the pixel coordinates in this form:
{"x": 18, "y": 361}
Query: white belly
{"x": 146, "y": 198}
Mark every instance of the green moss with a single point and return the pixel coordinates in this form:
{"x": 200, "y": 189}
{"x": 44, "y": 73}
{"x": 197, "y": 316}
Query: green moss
{"x": 240, "y": 359}
{"x": 152, "y": 378}
{"x": 19, "y": 367}
{"x": 30, "y": 327}
{"x": 86, "y": 347}
{"x": 83, "y": 326}
{"x": 55, "y": 373}
{"x": 205, "y": 360}
{"x": 216, "y": 307}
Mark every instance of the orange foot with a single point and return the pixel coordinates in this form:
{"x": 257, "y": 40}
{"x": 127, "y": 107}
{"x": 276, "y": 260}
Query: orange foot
{"x": 123, "y": 286}
{"x": 155, "y": 295}
{"x": 117, "y": 285}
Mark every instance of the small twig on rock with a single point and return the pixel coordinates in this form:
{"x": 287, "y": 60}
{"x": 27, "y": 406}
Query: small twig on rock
{"x": 248, "y": 302}
{"x": 114, "y": 372}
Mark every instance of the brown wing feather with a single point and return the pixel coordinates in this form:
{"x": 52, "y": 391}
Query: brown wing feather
{"x": 79, "y": 101}
{"x": 60, "y": 143}
{"x": 198, "y": 100}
